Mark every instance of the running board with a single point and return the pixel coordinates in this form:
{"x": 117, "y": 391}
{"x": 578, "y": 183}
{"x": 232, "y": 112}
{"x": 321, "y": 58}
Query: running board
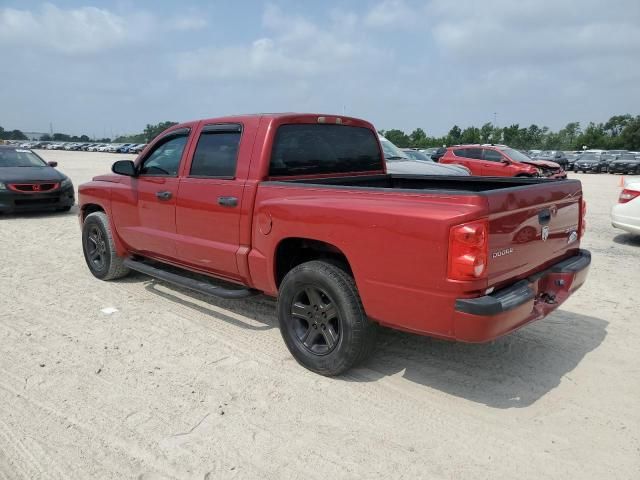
{"x": 182, "y": 281}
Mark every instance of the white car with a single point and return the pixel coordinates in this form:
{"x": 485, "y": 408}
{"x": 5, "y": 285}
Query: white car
{"x": 626, "y": 214}
{"x": 399, "y": 162}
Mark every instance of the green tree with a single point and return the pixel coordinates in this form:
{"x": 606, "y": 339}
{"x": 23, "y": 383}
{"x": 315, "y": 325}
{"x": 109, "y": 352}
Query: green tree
{"x": 418, "y": 138}
{"x": 485, "y": 132}
{"x": 594, "y": 136}
{"x": 61, "y": 137}
{"x": 17, "y": 135}
{"x": 454, "y": 136}
{"x": 630, "y": 135}
{"x": 152, "y": 131}
{"x": 45, "y": 138}
{"x": 398, "y": 138}
{"x": 470, "y": 135}
{"x": 616, "y": 124}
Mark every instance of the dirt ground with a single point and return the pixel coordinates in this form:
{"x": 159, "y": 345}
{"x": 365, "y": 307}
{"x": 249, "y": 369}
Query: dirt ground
{"x": 176, "y": 385}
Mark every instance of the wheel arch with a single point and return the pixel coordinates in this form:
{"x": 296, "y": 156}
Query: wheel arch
{"x": 90, "y": 208}
{"x": 292, "y": 251}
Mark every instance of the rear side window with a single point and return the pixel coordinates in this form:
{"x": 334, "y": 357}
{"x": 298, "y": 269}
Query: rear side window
{"x": 217, "y": 152}
{"x": 492, "y": 155}
{"x": 475, "y": 153}
{"x": 460, "y": 152}
{"x": 305, "y": 149}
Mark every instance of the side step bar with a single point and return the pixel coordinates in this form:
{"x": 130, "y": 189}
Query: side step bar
{"x": 185, "y": 282}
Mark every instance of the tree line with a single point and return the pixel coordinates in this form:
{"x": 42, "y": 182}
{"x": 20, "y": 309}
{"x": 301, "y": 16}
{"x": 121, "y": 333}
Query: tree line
{"x": 619, "y": 132}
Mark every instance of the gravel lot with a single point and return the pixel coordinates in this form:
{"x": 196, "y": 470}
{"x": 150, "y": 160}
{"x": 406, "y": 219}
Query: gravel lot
{"x": 176, "y": 385}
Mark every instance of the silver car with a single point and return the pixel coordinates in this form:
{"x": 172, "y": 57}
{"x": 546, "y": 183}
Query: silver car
{"x": 400, "y": 163}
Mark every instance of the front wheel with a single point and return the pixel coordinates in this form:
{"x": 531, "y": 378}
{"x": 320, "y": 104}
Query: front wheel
{"x": 99, "y": 248}
{"x": 322, "y": 320}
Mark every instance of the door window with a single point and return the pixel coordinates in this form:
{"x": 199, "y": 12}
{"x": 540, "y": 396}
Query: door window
{"x": 492, "y": 155}
{"x": 164, "y": 159}
{"x": 217, "y": 152}
{"x": 475, "y": 153}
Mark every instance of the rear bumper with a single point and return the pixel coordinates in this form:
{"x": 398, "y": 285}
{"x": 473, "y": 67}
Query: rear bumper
{"x": 485, "y": 318}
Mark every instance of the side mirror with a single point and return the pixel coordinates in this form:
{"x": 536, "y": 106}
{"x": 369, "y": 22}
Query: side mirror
{"x": 505, "y": 162}
{"x": 124, "y": 167}
{"x": 52, "y": 164}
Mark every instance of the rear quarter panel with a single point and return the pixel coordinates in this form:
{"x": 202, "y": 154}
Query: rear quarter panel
{"x": 396, "y": 245}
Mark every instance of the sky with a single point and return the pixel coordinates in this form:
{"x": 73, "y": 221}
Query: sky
{"x": 110, "y": 67}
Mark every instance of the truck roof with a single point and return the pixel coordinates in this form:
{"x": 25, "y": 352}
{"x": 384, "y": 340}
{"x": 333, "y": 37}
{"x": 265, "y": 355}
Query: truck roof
{"x": 283, "y": 117}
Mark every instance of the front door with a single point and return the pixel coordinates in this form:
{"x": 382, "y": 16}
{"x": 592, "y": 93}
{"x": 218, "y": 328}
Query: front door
{"x": 209, "y": 202}
{"x": 493, "y": 164}
{"x": 152, "y": 229}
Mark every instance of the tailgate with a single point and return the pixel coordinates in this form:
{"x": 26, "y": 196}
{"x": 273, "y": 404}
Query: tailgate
{"x": 530, "y": 227}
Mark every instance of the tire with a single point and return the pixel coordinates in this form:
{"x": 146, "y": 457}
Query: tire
{"x": 99, "y": 248}
{"x": 322, "y": 320}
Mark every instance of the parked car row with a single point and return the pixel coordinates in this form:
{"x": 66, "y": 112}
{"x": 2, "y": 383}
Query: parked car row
{"x": 613, "y": 161}
{"x": 85, "y": 147}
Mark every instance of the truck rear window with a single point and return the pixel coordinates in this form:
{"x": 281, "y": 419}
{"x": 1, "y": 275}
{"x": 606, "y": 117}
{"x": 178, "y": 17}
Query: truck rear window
{"x": 309, "y": 149}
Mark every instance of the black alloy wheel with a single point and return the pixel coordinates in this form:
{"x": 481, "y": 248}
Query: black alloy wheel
{"x": 315, "y": 320}
{"x": 96, "y": 248}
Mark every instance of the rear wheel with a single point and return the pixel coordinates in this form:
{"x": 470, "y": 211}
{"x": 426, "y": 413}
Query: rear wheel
{"x": 322, "y": 320}
{"x": 99, "y": 248}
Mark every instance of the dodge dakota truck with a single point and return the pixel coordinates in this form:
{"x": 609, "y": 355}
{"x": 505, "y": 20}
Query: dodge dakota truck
{"x": 300, "y": 207}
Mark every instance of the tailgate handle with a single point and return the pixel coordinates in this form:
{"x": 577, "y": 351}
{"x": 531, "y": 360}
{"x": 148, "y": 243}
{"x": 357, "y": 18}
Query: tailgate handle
{"x": 544, "y": 217}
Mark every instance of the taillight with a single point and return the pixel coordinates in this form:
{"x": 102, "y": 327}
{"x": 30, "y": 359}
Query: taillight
{"x": 627, "y": 195}
{"x": 468, "y": 245}
{"x": 583, "y": 218}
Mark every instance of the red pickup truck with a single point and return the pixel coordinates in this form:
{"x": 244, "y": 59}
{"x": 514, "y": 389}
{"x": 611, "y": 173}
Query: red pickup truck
{"x": 300, "y": 206}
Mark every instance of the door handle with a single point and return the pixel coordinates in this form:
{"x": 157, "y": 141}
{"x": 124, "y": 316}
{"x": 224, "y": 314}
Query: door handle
{"x": 228, "y": 201}
{"x": 164, "y": 195}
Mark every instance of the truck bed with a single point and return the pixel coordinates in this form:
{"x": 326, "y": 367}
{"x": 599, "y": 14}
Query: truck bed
{"x": 443, "y": 184}
{"x": 532, "y": 222}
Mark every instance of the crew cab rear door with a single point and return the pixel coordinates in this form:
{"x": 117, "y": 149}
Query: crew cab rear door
{"x": 209, "y": 202}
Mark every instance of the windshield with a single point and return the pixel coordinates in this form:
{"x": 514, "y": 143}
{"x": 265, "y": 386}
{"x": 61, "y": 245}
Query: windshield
{"x": 627, "y": 156}
{"x": 588, "y": 156}
{"x": 515, "y": 155}
{"x": 19, "y": 158}
{"x": 391, "y": 152}
{"x": 416, "y": 155}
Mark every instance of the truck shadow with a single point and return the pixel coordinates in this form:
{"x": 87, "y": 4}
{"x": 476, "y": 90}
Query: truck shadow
{"x": 512, "y": 372}
{"x": 255, "y": 313}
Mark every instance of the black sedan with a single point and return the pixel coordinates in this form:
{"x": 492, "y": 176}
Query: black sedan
{"x": 590, "y": 162}
{"x": 627, "y": 163}
{"x": 29, "y": 183}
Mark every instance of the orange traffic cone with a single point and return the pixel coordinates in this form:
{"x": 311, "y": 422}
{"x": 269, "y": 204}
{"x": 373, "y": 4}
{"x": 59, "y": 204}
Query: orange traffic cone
{"x": 621, "y": 184}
